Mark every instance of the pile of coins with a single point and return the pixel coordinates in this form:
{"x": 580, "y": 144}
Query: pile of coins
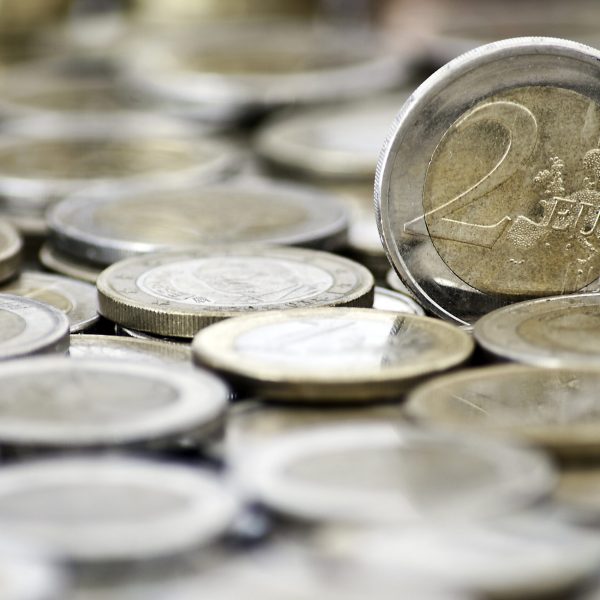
{"x": 225, "y": 374}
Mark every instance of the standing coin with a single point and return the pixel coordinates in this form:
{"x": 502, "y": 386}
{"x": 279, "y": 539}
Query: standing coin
{"x": 30, "y": 327}
{"x": 113, "y": 509}
{"x": 486, "y": 189}
{"x": 389, "y": 473}
{"x": 178, "y": 293}
{"x": 305, "y": 354}
{"x": 107, "y": 228}
{"x": 58, "y": 403}
{"x": 111, "y": 347}
{"x": 562, "y": 331}
{"x": 11, "y": 247}
{"x": 554, "y": 408}
{"x": 76, "y": 299}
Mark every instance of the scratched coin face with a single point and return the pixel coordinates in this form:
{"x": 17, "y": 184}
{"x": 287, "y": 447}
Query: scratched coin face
{"x": 304, "y": 355}
{"x": 559, "y": 331}
{"x": 502, "y": 202}
{"x": 177, "y": 293}
{"x": 553, "y": 408}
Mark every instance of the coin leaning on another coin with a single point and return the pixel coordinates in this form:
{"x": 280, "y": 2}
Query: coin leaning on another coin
{"x": 177, "y": 293}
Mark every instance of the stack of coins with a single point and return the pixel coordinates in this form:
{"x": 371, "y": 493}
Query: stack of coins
{"x": 231, "y": 369}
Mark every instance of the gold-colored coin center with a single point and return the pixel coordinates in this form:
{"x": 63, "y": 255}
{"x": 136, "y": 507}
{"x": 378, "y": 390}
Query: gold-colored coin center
{"x": 512, "y": 193}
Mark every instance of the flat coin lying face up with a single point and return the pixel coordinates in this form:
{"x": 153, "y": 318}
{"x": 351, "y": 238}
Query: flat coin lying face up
{"x": 106, "y": 228}
{"x": 488, "y": 189}
{"x": 332, "y": 353}
{"x": 562, "y": 331}
{"x": 389, "y": 473}
{"x": 554, "y": 408}
{"x": 61, "y": 403}
{"x": 31, "y": 327}
{"x": 109, "y": 509}
{"x": 178, "y": 293}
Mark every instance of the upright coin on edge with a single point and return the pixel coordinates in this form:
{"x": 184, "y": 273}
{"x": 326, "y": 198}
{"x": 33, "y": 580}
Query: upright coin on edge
{"x": 488, "y": 189}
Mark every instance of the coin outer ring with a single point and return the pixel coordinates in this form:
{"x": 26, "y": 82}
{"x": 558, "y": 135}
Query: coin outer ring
{"x": 263, "y": 474}
{"x": 173, "y": 321}
{"x": 209, "y": 512}
{"x": 69, "y": 239}
{"x": 55, "y": 341}
{"x": 11, "y": 253}
{"x": 212, "y": 348}
{"x": 58, "y": 263}
{"x": 193, "y": 415}
{"x": 420, "y": 108}
{"x": 560, "y": 440}
{"x": 496, "y": 333}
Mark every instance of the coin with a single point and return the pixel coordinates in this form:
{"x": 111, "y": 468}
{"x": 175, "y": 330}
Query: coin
{"x": 554, "y": 408}
{"x": 178, "y": 293}
{"x": 341, "y": 142}
{"x": 110, "y": 347}
{"x": 560, "y": 331}
{"x": 42, "y": 159}
{"x": 61, "y": 403}
{"x": 11, "y": 247}
{"x": 30, "y": 327}
{"x": 389, "y": 473}
{"x": 142, "y": 335}
{"x": 249, "y": 67}
{"x": 75, "y": 298}
{"x": 523, "y": 556}
{"x": 62, "y": 263}
{"x": 110, "y": 227}
{"x": 113, "y": 509}
{"x": 393, "y": 301}
{"x": 393, "y": 281}
{"x": 486, "y": 188}
{"x": 303, "y": 355}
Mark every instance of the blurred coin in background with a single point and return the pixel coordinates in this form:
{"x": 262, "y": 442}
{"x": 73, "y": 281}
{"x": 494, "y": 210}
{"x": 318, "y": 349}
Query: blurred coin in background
{"x": 64, "y": 264}
{"x": 178, "y": 293}
{"x": 11, "y": 249}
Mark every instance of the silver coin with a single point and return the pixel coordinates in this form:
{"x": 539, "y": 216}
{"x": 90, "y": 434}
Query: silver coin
{"x": 142, "y": 335}
{"x": 389, "y": 300}
{"x": 111, "y": 347}
{"x": 471, "y": 182}
{"x": 250, "y": 67}
{"x": 64, "y": 264}
{"x": 342, "y": 142}
{"x": 303, "y": 355}
{"x": 58, "y": 156}
{"x": 61, "y": 403}
{"x": 74, "y": 298}
{"x": 113, "y": 509}
{"x": 30, "y": 327}
{"x": 110, "y": 227}
{"x": 376, "y": 473}
{"x": 561, "y": 331}
{"x": 393, "y": 281}
{"x": 178, "y": 293}
{"x": 523, "y": 556}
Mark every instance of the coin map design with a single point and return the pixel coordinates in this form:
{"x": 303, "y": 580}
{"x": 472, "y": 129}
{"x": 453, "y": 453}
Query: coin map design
{"x": 510, "y": 199}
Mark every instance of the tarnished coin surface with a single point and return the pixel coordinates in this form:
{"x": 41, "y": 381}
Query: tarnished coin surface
{"x": 76, "y": 299}
{"x": 305, "y": 354}
{"x": 61, "y": 403}
{"x": 31, "y": 327}
{"x": 43, "y": 159}
{"x": 178, "y": 293}
{"x": 116, "y": 348}
{"x": 389, "y": 473}
{"x": 486, "y": 189}
{"x": 62, "y": 263}
{"x": 11, "y": 247}
{"x": 389, "y": 300}
{"x": 523, "y": 556}
{"x": 342, "y": 142}
{"x": 554, "y": 408}
{"x": 561, "y": 331}
{"x": 113, "y": 509}
{"x": 110, "y": 227}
